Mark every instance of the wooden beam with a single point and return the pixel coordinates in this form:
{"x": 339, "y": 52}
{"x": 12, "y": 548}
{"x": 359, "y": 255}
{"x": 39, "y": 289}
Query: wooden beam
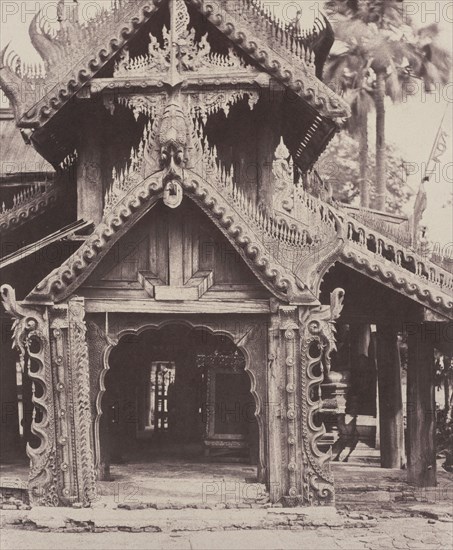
{"x": 244, "y": 78}
{"x": 59, "y": 235}
{"x": 421, "y": 408}
{"x": 171, "y": 307}
{"x": 90, "y": 193}
{"x": 391, "y": 427}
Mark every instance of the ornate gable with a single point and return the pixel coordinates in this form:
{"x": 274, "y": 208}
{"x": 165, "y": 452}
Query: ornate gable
{"x": 176, "y": 55}
{"x": 267, "y": 244}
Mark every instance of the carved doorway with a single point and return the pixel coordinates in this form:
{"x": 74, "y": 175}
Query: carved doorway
{"x": 177, "y": 392}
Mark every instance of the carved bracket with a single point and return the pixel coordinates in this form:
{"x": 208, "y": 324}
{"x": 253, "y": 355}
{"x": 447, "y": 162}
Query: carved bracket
{"x": 51, "y": 340}
{"x": 31, "y": 338}
{"x": 317, "y": 343}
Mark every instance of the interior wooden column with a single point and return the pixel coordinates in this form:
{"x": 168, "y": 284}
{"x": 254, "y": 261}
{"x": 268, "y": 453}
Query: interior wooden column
{"x": 391, "y": 427}
{"x": 90, "y": 194}
{"x": 421, "y": 407}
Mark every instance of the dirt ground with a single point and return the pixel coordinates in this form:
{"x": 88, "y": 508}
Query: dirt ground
{"x": 404, "y": 533}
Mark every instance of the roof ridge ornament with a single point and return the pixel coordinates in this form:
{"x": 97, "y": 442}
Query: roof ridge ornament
{"x": 179, "y": 52}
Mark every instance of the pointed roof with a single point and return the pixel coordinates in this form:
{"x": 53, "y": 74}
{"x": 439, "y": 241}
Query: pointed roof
{"x": 86, "y": 48}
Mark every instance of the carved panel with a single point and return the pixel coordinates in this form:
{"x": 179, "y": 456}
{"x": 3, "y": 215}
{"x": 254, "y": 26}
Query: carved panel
{"x": 64, "y": 411}
{"x": 79, "y": 368}
{"x": 290, "y": 413}
{"x": 52, "y": 341}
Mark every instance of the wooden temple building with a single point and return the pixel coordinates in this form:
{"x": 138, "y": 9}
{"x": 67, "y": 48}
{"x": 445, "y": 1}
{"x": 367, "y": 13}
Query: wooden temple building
{"x": 173, "y": 269}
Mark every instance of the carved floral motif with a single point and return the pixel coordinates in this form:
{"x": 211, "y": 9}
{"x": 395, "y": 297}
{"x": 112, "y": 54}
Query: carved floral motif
{"x": 78, "y": 357}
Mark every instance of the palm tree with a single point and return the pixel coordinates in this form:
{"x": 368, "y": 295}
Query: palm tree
{"x": 349, "y": 73}
{"x": 385, "y": 52}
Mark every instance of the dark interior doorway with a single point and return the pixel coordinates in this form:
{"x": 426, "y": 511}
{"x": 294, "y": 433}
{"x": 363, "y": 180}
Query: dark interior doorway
{"x": 16, "y": 390}
{"x": 177, "y": 392}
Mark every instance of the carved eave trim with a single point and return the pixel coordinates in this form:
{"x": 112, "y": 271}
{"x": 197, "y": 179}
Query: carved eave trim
{"x": 398, "y": 279}
{"x": 21, "y": 214}
{"x": 295, "y": 77}
{"x": 63, "y": 281}
{"x": 87, "y": 68}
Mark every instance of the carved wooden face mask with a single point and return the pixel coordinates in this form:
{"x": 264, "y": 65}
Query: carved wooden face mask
{"x": 172, "y": 194}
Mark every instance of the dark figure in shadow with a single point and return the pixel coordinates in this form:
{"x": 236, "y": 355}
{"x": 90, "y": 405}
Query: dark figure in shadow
{"x": 348, "y": 437}
{"x": 348, "y": 432}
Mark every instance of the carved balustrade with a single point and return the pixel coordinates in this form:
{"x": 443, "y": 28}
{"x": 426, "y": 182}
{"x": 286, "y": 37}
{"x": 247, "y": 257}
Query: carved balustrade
{"x": 34, "y": 199}
{"x": 388, "y": 252}
{"x": 28, "y": 203}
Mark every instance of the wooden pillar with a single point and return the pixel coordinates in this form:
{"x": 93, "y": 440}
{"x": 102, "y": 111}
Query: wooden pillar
{"x": 391, "y": 427}
{"x": 421, "y": 416}
{"x": 274, "y": 412}
{"x": 90, "y": 193}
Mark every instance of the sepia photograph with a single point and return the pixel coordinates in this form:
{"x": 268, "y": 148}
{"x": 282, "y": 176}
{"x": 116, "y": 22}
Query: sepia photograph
{"x": 226, "y": 274}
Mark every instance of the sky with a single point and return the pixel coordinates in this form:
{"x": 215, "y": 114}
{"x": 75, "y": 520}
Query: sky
{"x": 411, "y": 126}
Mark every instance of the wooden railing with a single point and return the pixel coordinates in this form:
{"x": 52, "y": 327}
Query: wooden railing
{"x": 26, "y": 195}
{"x": 387, "y": 251}
{"x": 367, "y": 240}
{"x": 27, "y": 204}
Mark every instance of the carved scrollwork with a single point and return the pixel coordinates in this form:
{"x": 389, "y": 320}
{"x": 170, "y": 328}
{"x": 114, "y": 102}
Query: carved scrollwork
{"x": 233, "y": 22}
{"x": 84, "y": 46}
{"x": 236, "y": 225}
{"x": 317, "y": 343}
{"x": 31, "y": 338}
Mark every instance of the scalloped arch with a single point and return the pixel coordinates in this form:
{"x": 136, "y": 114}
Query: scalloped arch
{"x": 149, "y": 326}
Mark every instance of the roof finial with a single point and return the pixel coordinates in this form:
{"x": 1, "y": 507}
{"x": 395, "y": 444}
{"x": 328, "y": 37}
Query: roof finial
{"x": 282, "y": 151}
